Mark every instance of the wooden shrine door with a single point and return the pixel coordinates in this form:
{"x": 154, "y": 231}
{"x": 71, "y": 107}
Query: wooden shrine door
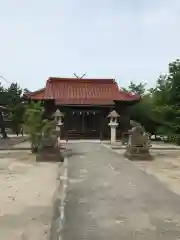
{"x": 84, "y": 124}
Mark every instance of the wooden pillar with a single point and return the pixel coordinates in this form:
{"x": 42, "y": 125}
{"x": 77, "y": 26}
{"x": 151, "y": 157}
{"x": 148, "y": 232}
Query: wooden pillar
{"x": 101, "y": 120}
{"x": 83, "y": 123}
{"x": 67, "y": 117}
{"x": 105, "y": 130}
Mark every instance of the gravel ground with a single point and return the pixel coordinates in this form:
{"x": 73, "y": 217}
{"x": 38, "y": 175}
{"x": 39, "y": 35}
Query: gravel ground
{"x": 26, "y": 189}
{"x": 11, "y": 140}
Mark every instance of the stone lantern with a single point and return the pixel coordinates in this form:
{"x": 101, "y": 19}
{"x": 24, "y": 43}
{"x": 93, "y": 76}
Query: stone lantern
{"x": 113, "y": 123}
{"x": 58, "y": 116}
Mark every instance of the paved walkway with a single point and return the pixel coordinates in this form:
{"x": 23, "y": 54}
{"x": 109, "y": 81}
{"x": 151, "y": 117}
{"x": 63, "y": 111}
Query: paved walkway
{"x": 110, "y": 199}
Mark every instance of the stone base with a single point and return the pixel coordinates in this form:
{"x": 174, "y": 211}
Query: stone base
{"x": 144, "y": 156}
{"x": 49, "y": 155}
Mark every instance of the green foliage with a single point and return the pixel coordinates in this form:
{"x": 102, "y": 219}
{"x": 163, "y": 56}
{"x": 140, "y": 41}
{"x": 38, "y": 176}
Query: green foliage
{"x": 35, "y": 126}
{"x": 16, "y": 116}
{"x": 138, "y": 89}
{"x": 167, "y": 98}
{"x": 142, "y": 111}
{"x": 47, "y": 127}
{"x": 16, "y": 108}
{"x": 26, "y": 90}
{"x": 14, "y": 93}
{"x": 11, "y": 97}
{"x": 160, "y": 106}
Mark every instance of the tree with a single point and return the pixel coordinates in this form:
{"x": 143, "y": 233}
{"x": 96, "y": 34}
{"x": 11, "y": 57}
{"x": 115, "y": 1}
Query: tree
{"x": 14, "y": 93}
{"x": 16, "y": 116}
{"x": 166, "y": 97}
{"x": 139, "y": 111}
{"x": 138, "y": 89}
{"x": 35, "y": 126}
{"x": 173, "y": 98}
{"x": 26, "y": 91}
{"x": 3, "y": 97}
{"x": 15, "y": 106}
{"x": 11, "y": 97}
{"x": 142, "y": 112}
{"x": 2, "y": 125}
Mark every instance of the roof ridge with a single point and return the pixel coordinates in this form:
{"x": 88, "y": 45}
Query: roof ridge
{"x": 82, "y": 80}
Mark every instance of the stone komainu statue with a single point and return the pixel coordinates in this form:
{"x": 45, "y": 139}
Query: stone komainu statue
{"x": 138, "y": 145}
{"x": 138, "y": 137}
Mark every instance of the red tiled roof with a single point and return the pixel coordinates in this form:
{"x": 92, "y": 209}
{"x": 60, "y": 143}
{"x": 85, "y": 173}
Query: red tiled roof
{"x": 3, "y": 108}
{"x": 75, "y": 91}
{"x": 37, "y": 95}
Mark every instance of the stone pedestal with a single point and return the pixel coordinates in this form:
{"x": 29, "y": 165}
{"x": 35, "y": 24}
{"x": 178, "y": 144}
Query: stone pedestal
{"x": 138, "y": 153}
{"x": 49, "y": 150}
{"x": 113, "y": 126}
{"x": 58, "y": 116}
{"x": 49, "y": 154}
{"x": 58, "y": 129}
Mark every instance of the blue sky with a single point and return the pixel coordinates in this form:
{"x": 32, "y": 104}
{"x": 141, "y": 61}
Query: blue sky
{"x": 130, "y": 40}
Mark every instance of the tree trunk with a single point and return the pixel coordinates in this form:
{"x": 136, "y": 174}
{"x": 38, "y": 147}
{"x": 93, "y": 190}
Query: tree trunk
{"x": 2, "y": 126}
{"x": 34, "y": 148}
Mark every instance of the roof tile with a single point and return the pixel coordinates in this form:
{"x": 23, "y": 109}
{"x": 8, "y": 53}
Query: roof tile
{"x": 37, "y": 95}
{"x": 82, "y": 91}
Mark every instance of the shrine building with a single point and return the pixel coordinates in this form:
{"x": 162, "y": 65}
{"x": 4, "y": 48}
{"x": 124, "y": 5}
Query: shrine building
{"x": 86, "y": 104}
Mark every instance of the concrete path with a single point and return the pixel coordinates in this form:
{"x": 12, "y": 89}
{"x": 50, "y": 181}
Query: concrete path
{"x": 110, "y": 199}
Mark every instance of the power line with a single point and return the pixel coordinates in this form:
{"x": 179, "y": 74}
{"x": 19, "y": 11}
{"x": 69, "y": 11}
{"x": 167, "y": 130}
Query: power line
{"x": 5, "y": 80}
